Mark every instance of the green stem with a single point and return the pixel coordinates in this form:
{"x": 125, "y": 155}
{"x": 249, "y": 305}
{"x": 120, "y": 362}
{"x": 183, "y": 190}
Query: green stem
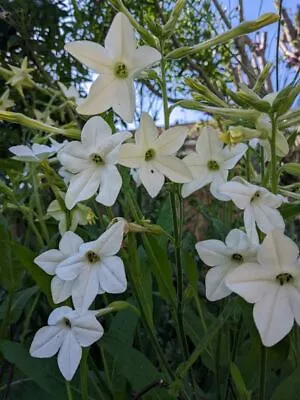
{"x": 263, "y": 367}
{"x": 69, "y": 392}
{"x": 28, "y": 317}
{"x": 39, "y": 205}
{"x": 274, "y": 177}
{"x": 84, "y": 375}
{"x": 262, "y": 164}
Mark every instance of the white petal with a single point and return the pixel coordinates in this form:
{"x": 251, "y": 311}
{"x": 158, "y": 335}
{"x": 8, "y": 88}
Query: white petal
{"x": 249, "y": 222}
{"x": 85, "y": 288}
{"x": 120, "y": 39}
{"x": 95, "y": 130}
{"x": 110, "y": 148}
{"x": 131, "y": 155}
{"x": 238, "y": 240}
{"x": 170, "y": 141}
{"x": 270, "y": 199}
{"x": 252, "y": 281}
{"x": 46, "y": 342}
{"x": 278, "y": 251}
{"x": 124, "y": 100}
{"x": 70, "y": 243}
{"x": 151, "y": 178}
{"x": 49, "y": 260}
{"x": 69, "y": 356}
{"x": 109, "y": 243}
{"x": 294, "y": 297}
{"x": 71, "y": 267}
{"x": 144, "y": 57}
{"x": 218, "y": 181}
{"x": 147, "y": 133}
{"x": 197, "y": 166}
{"x": 232, "y": 154}
{"x": 213, "y": 252}
{"x": 91, "y": 54}
{"x": 87, "y": 329}
{"x": 112, "y": 276}
{"x": 74, "y": 157}
{"x": 60, "y": 289}
{"x": 83, "y": 186}
{"x": 267, "y": 218}
{"x": 58, "y": 314}
{"x": 273, "y": 315}
{"x": 216, "y": 288}
{"x": 23, "y": 153}
{"x": 173, "y": 168}
{"x": 101, "y": 96}
{"x": 241, "y": 194}
{"x": 111, "y": 183}
{"x": 208, "y": 143}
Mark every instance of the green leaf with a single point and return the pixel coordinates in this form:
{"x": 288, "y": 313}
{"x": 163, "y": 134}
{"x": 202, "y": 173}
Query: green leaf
{"x": 239, "y": 383}
{"x": 289, "y": 388}
{"x": 191, "y": 270}
{"x": 289, "y": 210}
{"x": 26, "y": 257}
{"x": 291, "y": 168}
{"x": 43, "y": 372}
{"x": 19, "y": 302}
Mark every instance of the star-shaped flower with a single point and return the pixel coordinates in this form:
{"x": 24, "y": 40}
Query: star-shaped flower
{"x": 118, "y": 64}
{"x": 49, "y": 260}
{"x": 224, "y": 257}
{"x": 154, "y": 157}
{"x": 273, "y": 285}
{"x": 259, "y": 206}
{"x": 67, "y": 332}
{"x": 20, "y": 77}
{"x": 211, "y": 162}
{"x": 95, "y": 268}
{"x": 93, "y": 164}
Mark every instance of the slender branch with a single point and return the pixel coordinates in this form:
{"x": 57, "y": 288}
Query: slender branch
{"x": 277, "y": 45}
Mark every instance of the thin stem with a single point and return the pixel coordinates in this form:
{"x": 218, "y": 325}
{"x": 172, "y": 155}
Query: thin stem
{"x": 84, "y": 375}
{"x": 277, "y": 45}
{"x": 39, "y": 205}
{"x": 274, "y": 177}
{"x": 263, "y": 367}
{"x": 69, "y": 392}
{"x": 262, "y": 164}
{"x": 28, "y": 316}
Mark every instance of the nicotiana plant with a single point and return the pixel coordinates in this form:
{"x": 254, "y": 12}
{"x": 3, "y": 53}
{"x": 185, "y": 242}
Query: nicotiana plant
{"x": 101, "y": 181}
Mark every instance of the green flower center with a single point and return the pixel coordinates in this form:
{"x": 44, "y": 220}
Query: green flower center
{"x": 97, "y": 159}
{"x": 92, "y": 257}
{"x": 149, "y": 155}
{"x": 237, "y": 257}
{"x": 120, "y": 70}
{"x": 67, "y": 322}
{"x": 256, "y": 196}
{"x": 284, "y": 278}
{"x": 212, "y": 165}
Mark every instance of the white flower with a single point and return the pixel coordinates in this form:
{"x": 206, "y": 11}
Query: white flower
{"x": 135, "y": 176}
{"x": 78, "y": 215}
{"x": 35, "y": 153}
{"x": 259, "y": 206}
{"x": 211, "y": 163}
{"x": 71, "y": 93}
{"x": 95, "y": 268}
{"x": 154, "y": 156}
{"x": 118, "y": 64}
{"x": 49, "y": 260}
{"x": 67, "y": 331}
{"x": 92, "y": 161}
{"x": 224, "y": 257}
{"x": 273, "y": 284}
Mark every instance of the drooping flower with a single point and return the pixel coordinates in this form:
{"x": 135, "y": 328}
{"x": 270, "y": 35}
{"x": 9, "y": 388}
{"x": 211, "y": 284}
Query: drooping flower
{"x": 49, "y": 260}
{"x": 93, "y": 164}
{"x": 211, "y": 162}
{"x": 78, "y": 215}
{"x": 224, "y": 258}
{"x": 273, "y": 285}
{"x": 35, "y": 153}
{"x": 67, "y": 332}
{"x": 118, "y": 64}
{"x": 95, "y": 268}
{"x": 259, "y": 205}
{"x": 154, "y": 156}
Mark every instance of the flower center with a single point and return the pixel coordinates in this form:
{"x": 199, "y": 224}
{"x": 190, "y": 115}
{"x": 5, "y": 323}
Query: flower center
{"x": 256, "y": 196}
{"x": 149, "y": 155}
{"x": 67, "y": 322}
{"x": 92, "y": 257}
{"x": 284, "y": 278}
{"x": 237, "y": 257}
{"x": 120, "y": 70}
{"x": 213, "y": 165}
{"x": 97, "y": 159}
